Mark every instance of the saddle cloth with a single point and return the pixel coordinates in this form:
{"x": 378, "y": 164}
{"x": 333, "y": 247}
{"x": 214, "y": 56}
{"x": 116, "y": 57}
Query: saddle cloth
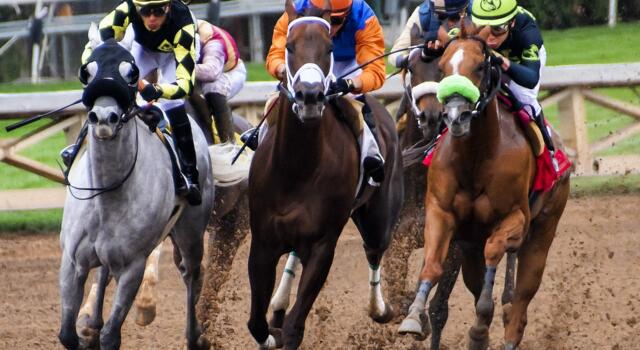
{"x": 546, "y": 175}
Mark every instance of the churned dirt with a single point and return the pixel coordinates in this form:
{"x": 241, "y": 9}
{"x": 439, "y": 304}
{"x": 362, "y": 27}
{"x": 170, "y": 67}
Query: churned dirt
{"x": 589, "y": 298}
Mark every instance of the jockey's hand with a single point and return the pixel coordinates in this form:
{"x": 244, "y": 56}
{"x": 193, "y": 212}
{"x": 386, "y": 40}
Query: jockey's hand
{"x": 341, "y": 86}
{"x": 402, "y": 62}
{"x": 280, "y": 71}
{"x": 433, "y": 49}
{"x": 498, "y": 60}
{"x": 151, "y": 92}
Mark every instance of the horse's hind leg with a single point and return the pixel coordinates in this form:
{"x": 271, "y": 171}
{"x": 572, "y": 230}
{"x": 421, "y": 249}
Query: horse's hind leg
{"x": 532, "y": 259}
{"x": 145, "y": 302}
{"x": 128, "y": 281}
{"x": 262, "y": 275}
{"x": 72, "y": 279}
{"x": 280, "y": 299}
{"x": 188, "y": 252}
{"x": 439, "y": 305}
{"x": 90, "y": 319}
{"x": 509, "y": 286}
{"x": 314, "y": 273}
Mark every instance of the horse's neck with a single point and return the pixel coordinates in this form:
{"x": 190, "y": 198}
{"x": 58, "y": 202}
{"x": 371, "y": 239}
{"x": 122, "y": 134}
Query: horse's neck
{"x": 111, "y": 160}
{"x": 297, "y": 144}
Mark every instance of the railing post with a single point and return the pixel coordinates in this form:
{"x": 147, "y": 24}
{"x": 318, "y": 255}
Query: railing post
{"x": 573, "y": 125}
{"x": 255, "y": 30}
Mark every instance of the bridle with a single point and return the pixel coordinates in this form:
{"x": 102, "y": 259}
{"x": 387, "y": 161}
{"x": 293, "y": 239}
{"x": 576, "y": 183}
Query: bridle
{"x": 414, "y": 93}
{"x": 308, "y": 72}
{"x": 123, "y": 119}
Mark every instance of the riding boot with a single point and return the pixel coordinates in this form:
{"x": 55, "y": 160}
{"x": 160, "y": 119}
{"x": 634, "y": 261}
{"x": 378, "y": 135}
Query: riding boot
{"x": 186, "y": 150}
{"x": 221, "y": 115}
{"x": 546, "y": 136}
{"x": 373, "y": 164}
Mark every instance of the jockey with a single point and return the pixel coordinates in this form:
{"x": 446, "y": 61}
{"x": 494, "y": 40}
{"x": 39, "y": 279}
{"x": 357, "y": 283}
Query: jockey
{"x": 221, "y": 74}
{"x": 432, "y": 17}
{"x": 357, "y": 38}
{"x": 165, "y": 39}
{"x": 516, "y": 40}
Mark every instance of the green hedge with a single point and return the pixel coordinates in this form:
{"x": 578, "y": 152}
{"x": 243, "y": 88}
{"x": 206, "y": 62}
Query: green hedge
{"x": 553, "y": 14}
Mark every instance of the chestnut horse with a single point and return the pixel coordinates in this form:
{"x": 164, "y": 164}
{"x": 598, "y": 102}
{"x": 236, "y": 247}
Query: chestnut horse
{"x": 478, "y": 192}
{"x": 303, "y": 183}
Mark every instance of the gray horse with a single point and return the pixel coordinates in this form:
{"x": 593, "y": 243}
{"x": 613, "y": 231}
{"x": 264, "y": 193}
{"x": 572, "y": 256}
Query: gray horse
{"x": 121, "y": 203}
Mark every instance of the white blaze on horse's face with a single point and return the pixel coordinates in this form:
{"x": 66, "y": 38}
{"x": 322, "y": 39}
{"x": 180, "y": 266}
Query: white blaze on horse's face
{"x": 104, "y": 117}
{"x": 456, "y": 60}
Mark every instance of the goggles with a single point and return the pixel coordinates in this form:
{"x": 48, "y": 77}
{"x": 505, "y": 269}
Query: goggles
{"x": 450, "y": 16}
{"x": 338, "y": 19}
{"x": 153, "y": 10}
{"x": 500, "y": 29}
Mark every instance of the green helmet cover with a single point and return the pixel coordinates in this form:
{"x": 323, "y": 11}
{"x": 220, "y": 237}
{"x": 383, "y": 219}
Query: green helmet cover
{"x": 493, "y": 12}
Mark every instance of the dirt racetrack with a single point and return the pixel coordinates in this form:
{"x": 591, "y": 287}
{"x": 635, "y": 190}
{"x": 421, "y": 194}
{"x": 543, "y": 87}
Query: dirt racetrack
{"x": 589, "y": 298}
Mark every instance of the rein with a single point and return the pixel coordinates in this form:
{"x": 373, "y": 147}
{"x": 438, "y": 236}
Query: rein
{"x": 101, "y": 190}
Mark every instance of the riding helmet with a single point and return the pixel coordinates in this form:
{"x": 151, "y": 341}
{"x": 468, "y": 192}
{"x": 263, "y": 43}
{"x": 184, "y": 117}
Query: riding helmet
{"x": 449, "y": 7}
{"x": 150, "y": 2}
{"x": 338, "y": 7}
{"x": 493, "y": 12}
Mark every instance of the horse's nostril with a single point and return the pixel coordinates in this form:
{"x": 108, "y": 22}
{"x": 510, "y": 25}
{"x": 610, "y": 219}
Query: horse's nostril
{"x": 93, "y": 117}
{"x": 113, "y": 118}
{"x": 320, "y": 96}
{"x": 299, "y": 95}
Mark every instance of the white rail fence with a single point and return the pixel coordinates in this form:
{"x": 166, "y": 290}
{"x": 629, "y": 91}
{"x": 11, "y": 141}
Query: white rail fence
{"x": 569, "y": 86}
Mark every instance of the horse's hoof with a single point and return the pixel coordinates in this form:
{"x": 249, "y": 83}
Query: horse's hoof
{"x": 268, "y": 344}
{"x": 145, "y": 314}
{"x": 203, "y": 343}
{"x": 419, "y": 328}
{"x": 89, "y": 343}
{"x": 89, "y": 337}
{"x": 277, "y": 335}
{"x": 386, "y": 316}
{"x": 478, "y": 338}
{"x": 510, "y": 346}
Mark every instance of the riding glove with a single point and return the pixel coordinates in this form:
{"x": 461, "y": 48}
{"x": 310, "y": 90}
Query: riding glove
{"x": 151, "y": 92}
{"x": 496, "y": 59}
{"x": 341, "y": 86}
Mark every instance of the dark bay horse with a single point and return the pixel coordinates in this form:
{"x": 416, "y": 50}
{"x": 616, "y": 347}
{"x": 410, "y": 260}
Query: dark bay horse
{"x": 478, "y": 192}
{"x": 303, "y": 183}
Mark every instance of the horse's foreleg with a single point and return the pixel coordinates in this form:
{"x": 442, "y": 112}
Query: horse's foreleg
{"x": 314, "y": 274}
{"x": 509, "y": 285}
{"x": 128, "y": 281}
{"x": 280, "y": 299}
{"x": 146, "y": 301}
{"x": 507, "y": 235}
{"x": 438, "y": 231}
{"x": 72, "y": 279}
{"x": 439, "y": 305}
{"x": 262, "y": 273}
{"x": 90, "y": 319}
{"x": 532, "y": 259}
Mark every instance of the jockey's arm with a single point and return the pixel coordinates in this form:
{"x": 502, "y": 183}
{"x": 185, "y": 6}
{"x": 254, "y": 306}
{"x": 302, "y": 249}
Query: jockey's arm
{"x": 213, "y": 61}
{"x": 275, "y": 58}
{"x": 185, "y": 58}
{"x": 526, "y": 73}
{"x": 404, "y": 40}
{"x": 113, "y": 25}
{"x": 369, "y": 45}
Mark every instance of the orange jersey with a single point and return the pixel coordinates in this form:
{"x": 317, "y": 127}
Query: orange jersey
{"x": 359, "y": 39}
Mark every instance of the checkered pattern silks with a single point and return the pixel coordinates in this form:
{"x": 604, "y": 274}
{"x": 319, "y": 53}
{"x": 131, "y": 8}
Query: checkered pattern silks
{"x": 176, "y": 38}
{"x": 184, "y": 50}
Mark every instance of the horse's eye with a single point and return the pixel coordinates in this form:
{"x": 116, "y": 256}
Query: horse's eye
{"x": 289, "y": 48}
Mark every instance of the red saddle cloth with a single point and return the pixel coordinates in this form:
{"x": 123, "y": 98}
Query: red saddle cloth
{"x": 546, "y": 175}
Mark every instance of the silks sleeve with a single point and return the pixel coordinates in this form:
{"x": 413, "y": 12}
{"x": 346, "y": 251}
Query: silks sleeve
{"x": 369, "y": 45}
{"x": 278, "y": 43}
{"x": 113, "y": 25}
{"x": 185, "y": 57}
{"x": 404, "y": 40}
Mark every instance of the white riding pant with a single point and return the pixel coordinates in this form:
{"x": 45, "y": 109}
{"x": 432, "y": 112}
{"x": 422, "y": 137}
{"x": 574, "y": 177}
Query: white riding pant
{"x": 530, "y": 96}
{"x": 229, "y": 83}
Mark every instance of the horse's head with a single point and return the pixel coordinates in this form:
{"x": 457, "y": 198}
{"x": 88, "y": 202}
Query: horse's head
{"x": 110, "y": 79}
{"x": 424, "y": 76}
{"x": 309, "y": 61}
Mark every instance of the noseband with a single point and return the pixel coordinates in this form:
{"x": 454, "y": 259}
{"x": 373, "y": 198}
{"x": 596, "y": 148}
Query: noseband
{"x": 308, "y": 72}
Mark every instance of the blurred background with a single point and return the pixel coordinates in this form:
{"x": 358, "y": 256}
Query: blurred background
{"x": 591, "y": 90}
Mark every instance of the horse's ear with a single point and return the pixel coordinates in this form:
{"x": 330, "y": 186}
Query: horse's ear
{"x": 326, "y": 13}
{"x": 94, "y": 35}
{"x": 415, "y": 36}
{"x": 290, "y": 9}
